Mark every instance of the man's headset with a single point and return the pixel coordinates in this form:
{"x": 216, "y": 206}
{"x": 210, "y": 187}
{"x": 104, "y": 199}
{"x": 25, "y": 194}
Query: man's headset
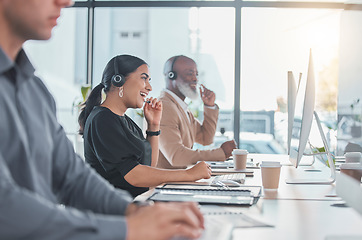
{"x": 117, "y": 79}
{"x": 172, "y": 74}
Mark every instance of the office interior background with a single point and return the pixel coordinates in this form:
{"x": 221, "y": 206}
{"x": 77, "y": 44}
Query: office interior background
{"x": 243, "y": 49}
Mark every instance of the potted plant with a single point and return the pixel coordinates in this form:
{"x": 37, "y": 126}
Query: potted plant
{"x": 77, "y": 103}
{"x": 139, "y": 118}
{"x": 356, "y": 130}
{"x": 76, "y": 107}
{"x": 85, "y": 90}
{"x": 322, "y": 157}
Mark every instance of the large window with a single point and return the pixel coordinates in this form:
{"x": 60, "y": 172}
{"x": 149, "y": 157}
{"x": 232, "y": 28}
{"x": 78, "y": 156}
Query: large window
{"x": 251, "y": 45}
{"x": 275, "y": 41}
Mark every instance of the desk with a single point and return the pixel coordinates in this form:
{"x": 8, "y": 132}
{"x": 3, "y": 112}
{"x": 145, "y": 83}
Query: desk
{"x": 297, "y": 191}
{"x": 298, "y": 212}
{"x": 300, "y": 220}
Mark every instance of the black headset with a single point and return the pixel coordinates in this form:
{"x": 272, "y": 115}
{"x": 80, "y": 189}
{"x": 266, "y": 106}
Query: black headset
{"x": 117, "y": 79}
{"x": 172, "y": 74}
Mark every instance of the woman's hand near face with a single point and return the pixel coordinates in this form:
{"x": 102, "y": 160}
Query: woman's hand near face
{"x": 153, "y": 112}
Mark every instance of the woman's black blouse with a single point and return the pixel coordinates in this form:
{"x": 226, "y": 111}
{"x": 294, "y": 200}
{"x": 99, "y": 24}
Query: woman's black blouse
{"x": 114, "y": 145}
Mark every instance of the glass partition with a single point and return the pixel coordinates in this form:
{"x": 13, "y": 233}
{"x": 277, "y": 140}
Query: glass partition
{"x": 350, "y": 84}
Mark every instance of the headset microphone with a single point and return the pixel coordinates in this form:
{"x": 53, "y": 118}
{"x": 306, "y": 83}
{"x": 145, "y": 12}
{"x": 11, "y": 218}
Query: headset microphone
{"x": 117, "y": 79}
{"x": 172, "y": 74}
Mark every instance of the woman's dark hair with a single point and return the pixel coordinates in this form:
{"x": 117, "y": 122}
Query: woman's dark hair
{"x": 126, "y": 64}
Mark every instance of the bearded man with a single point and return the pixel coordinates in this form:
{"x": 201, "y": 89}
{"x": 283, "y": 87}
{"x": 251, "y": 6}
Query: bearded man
{"x": 179, "y": 128}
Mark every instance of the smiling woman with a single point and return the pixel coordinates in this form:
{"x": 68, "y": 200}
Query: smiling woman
{"x": 113, "y": 143}
{"x": 120, "y": 93}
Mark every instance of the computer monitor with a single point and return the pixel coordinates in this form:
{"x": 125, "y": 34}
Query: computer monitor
{"x": 303, "y": 116}
{"x": 302, "y": 123}
{"x": 292, "y": 93}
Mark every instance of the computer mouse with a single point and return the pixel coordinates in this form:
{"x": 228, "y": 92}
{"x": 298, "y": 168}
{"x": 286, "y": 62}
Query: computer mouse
{"x": 230, "y": 183}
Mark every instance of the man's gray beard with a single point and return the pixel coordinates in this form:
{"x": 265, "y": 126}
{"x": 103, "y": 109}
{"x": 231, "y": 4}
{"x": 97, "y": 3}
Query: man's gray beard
{"x": 187, "y": 91}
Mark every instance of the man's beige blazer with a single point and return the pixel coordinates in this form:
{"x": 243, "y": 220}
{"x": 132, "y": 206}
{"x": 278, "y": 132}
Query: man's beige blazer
{"x": 178, "y": 135}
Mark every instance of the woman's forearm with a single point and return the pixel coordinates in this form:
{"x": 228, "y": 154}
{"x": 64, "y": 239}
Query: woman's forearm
{"x": 153, "y": 140}
{"x": 145, "y": 176}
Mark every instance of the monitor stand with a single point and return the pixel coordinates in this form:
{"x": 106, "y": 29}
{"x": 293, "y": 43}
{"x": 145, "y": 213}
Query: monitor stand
{"x": 308, "y": 164}
{"x": 329, "y": 180}
{"x": 310, "y": 181}
{"x": 303, "y": 164}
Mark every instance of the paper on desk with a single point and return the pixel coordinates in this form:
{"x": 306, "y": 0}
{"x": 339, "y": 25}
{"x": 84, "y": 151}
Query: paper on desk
{"x": 239, "y": 219}
{"x": 219, "y": 223}
{"x": 215, "y": 229}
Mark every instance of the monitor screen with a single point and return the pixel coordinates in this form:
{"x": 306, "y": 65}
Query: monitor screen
{"x": 303, "y": 115}
{"x": 292, "y": 92}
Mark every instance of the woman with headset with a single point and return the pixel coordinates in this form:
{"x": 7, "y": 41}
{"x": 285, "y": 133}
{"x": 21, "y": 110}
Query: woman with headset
{"x": 113, "y": 144}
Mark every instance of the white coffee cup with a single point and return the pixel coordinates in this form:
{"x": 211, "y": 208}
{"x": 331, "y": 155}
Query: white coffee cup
{"x": 352, "y": 169}
{"x": 352, "y": 157}
{"x": 240, "y": 157}
{"x": 270, "y": 174}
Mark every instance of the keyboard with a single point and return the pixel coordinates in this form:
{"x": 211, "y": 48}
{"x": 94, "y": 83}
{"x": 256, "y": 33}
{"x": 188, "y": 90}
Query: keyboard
{"x": 206, "y": 194}
{"x": 224, "y": 196}
{"x": 237, "y": 177}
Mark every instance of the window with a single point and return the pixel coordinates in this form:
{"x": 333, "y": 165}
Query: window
{"x": 273, "y": 37}
{"x": 275, "y": 41}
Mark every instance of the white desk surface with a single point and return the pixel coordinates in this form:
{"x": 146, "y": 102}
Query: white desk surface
{"x": 301, "y": 220}
{"x": 296, "y": 191}
{"x": 298, "y": 212}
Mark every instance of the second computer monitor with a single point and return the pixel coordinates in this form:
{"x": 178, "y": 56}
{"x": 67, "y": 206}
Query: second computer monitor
{"x": 303, "y": 115}
{"x": 302, "y": 123}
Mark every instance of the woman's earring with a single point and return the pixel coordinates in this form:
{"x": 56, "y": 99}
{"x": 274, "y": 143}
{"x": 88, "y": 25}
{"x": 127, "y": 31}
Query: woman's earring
{"x": 120, "y": 92}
